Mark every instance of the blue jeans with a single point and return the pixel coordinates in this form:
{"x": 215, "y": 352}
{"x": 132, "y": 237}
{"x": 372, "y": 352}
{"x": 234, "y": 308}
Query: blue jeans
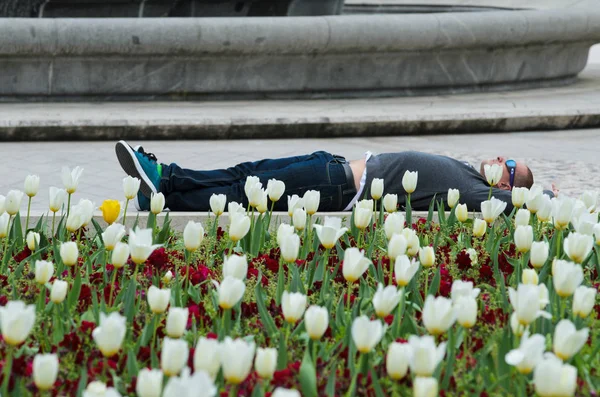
{"x": 190, "y": 190}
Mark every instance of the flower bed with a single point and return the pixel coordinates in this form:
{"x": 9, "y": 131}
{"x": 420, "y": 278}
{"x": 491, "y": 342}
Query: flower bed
{"x": 386, "y": 307}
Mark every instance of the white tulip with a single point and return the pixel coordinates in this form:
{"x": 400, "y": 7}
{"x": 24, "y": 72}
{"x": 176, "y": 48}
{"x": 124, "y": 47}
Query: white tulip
{"x": 472, "y": 255}
{"x": 396, "y": 246}
{"x": 149, "y": 383}
{"x": 461, "y": 289}
{"x": 567, "y": 276}
{"x": 562, "y": 211}
{"x": 597, "y": 233}
{"x": 275, "y": 189}
{"x": 236, "y": 359}
{"x": 173, "y": 356}
{"x": 120, "y": 255}
{"x": 284, "y": 230}
{"x": 157, "y": 203}
{"x": 366, "y": 333}
{"x": 239, "y": 226}
{"x": 197, "y": 385}
{"x": 452, "y": 197}
{"x": 235, "y": 208}
{"x": 567, "y": 340}
{"x": 529, "y": 353}
{"x": 110, "y": 333}
{"x": 294, "y": 202}
{"x": 466, "y": 311}
{"x": 425, "y": 387}
{"x": 493, "y": 173}
{"x": 217, "y": 203}
{"x": 69, "y": 253}
{"x": 491, "y": 209}
{"x": 158, "y": 299}
{"x": 265, "y": 362}
{"x": 412, "y": 241}
{"x": 404, "y": 270}
{"x": 140, "y": 245}
{"x": 544, "y": 214}
{"x": 425, "y": 355}
{"x": 583, "y": 301}
{"x": 70, "y": 178}
{"x": 397, "y": 360}
{"x": 76, "y": 219}
{"x": 44, "y": 270}
{"x": 235, "y": 266}
{"x": 230, "y": 291}
{"x": 390, "y": 203}
{"x": 131, "y": 187}
{"x": 552, "y": 378}
{"x": 376, "y": 188}
{"x": 281, "y": 392}
{"x": 263, "y": 204}
{"x": 58, "y": 293}
{"x": 16, "y": 321}
{"x": 112, "y": 235}
{"x": 427, "y": 256}
{"x": 330, "y": 232}
{"x": 539, "y": 253}
{"x": 362, "y": 217}
{"x": 385, "y": 299}
{"x": 316, "y": 321}
{"x": 590, "y": 199}
{"x": 256, "y": 194}
{"x": 4, "y": 224}
{"x": 409, "y": 181}
{"x": 299, "y": 219}
{"x": 578, "y": 246}
{"x": 311, "y": 201}
{"x": 293, "y": 306}
{"x": 2, "y": 203}
{"x": 87, "y": 210}
{"x": 438, "y": 314}
{"x": 250, "y": 184}
{"x": 461, "y": 212}
{"x": 99, "y": 389}
{"x": 176, "y": 321}
{"x": 33, "y": 240}
{"x": 355, "y": 264}
{"x": 207, "y": 356}
{"x": 56, "y": 198}
{"x": 193, "y": 234}
{"x": 45, "y": 371}
{"x": 290, "y": 247}
{"x": 522, "y": 217}
{"x": 516, "y": 327}
{"x": 526, "y": 303}
{"x": 167, "y": 277}
{"x": 584, "y": 223}
{"x": 32, "y": 185}
{"x": 12, "y": 203}
{"x": 519, "y": 196}
{"x": 523, "y": 238}
{"x": 529, "y": 276}
{"x": 479, "y": 227}
{"x": 394, "y": 224}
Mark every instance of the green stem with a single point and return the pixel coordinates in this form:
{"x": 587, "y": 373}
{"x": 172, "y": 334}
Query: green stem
{"x": 188, "y": 263}
{"x": 233, "y": 391}
{"x": 68, "y": 205}
{"x": 156, "y": 322}
{"x": 28, "y": 211}
{"x": 112, "y": 286}
{"x": 490, "y": 193}
{"x": 53, "y": 219}
{"x": 348, "y": 293}
{"x": 125, "y": 213}
{"x": 392, "y": 261}
{"x": 7, "y": 370}
{"x": 558, "y": 243}
{"x": 426, "y": 273}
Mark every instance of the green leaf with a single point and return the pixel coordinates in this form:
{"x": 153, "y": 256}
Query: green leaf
{"x": 98, "y": 230}
{"x": 265, "y": 316}
{"x": 430, "y": 211}
{"x": 330, "y": 388}
{"x": 82, "y": 382}
{"x": 282, "y": 352}
{"x": 435, "y": 283}
{"x": 74, "y": 292}
{"x": 308, "y": 376}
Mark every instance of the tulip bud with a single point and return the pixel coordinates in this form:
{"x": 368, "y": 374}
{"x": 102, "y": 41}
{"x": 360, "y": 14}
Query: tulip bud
{"x": 193, "y": 234}
{"x": 427, "y": 256}
{"x": 236, "y": 359}
{"x": 397, "y": 360}
{"x": 463, "y": 289}
{"x": 539, "y": 254}
{"x": 412, "y": 241}
{"x": 567, "y": 340}
{"x": 283, "y": 231}
{"x": 265, "y": 362}
{"x": 250, "y": 184}
{"x": 44, "y": 270}
{"x": 166, "y": 279}
{"x": 472, "y": 255}
{"x": 281, "y": 392}
{"x": 230, "y": 291}
{"x": 530, "y": 276}
{"x": 207, "y": 356}
{"x": 523, "y": 238}
{"x": 529, "y": 354}
{"x": 453, "y": 196}
{"x": 120, "y": 255}
{"x": 176, "y": 322}
{"x": 110, "y": 333}
{"x": 466, "y": 311}
{"x": 238, "y": 227}
{"x": 562, "y": 211}
{"x": 553, "y": 378}
{"x": 158, "y": 299}
{"x": 409, "y": 181}
{"x": 12, "y": 203}
{"x": 157, "y": 203}
{"x": 45, "y": 371}
{"x": 376, "y": 188}
{"x": 32, "y": 185}
{"x": 56, "y": 198}
{"x": 396, "y": 246}
{"x": 390, "y": 202}
{"x": 438, "y": 315}
{"x": 111, "y": 209}
{"x": 256, "y": 194}
{"x": 425, "y": 355}
{"x": 404, "y": 270}
{"x": 131, "y": 186}
{"x": 425, "y": 387}
{"x": 394, "y": 224}
{"x": 174, "y": 356}
{"x": 519, "y": 196}
{"x": 354, "y": 264}
{"x": 493, "y": 173}
{"x": 293, "y": 306}
{"x": 544, "y": 214}
{"x": 522, "y": 217}
{"x": 330, "y": 232}
{"x": 290, "y": 247}
{"x": 87, "y": 211}
{"x": 567, "y": 276}
{"x": 4, "y": 224}
{"x": 217, "y": 203}
{"x": 58, "y": 293}
{"x": 140, "y": 245}
{"x": 578, "y": 246}
{"x": 535, "y": 198}
{"x": 491, "y": 209}
{"x": 149, "y": 383}
{"x": 33, "y": 240}
{"x": 311, "y": 201}
{"x": 275, "y": 189}
{"x": 76, "y": 218}
{"x": 316, "y": 321}
{"x": 70, "y": 178}
{"x": 235, "y": 266}
{"x": 366, "y": 333}
{"x": 112, "y": 235}
{"x": 16, "y": 322}
{"x": 462, "y": 214}
{"x": 526, "y": 302}
{"x": 299, "y": 219}
{"x": 583, "y": 301}
{"x": 99, "y": 389}
{"x": 479, "y": 227}
{"x": 294, "y": 202}
{"x": 362, "y": 217}
{"x": 385, "y": 299}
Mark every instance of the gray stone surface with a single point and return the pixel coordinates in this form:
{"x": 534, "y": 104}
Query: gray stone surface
{"x": 171, "y": 58}
{"x": 575, "y": 106}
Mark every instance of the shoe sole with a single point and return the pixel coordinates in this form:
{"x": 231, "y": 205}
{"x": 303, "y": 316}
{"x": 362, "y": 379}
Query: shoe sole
{"x": 132, "y": 167}
{"x": 136, "y": 203}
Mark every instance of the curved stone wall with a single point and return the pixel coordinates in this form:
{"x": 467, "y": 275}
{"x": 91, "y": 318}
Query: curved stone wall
{"x": 331, "y": 56}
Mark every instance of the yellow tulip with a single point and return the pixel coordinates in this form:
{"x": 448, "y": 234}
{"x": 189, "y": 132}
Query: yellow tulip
{"x": 110, "y": 211}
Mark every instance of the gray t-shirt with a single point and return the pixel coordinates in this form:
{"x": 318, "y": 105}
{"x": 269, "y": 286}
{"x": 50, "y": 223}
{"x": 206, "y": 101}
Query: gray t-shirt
{"x": 437, "y": 174}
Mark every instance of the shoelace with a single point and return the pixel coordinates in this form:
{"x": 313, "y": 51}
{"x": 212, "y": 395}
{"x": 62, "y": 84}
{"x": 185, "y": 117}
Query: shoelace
{"x": 150, "y": 156}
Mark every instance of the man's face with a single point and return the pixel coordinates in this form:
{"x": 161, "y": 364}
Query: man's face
{"x": 504, "y": 182}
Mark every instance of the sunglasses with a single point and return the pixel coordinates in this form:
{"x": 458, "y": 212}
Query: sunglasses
{"x": 511, "y": 165}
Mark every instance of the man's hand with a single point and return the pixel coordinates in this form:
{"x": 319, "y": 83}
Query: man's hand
{"x": 555, "y": 189}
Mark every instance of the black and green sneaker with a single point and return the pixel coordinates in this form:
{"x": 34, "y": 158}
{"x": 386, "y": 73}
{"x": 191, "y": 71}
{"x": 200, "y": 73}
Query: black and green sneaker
{"x": 140, "y": 164}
